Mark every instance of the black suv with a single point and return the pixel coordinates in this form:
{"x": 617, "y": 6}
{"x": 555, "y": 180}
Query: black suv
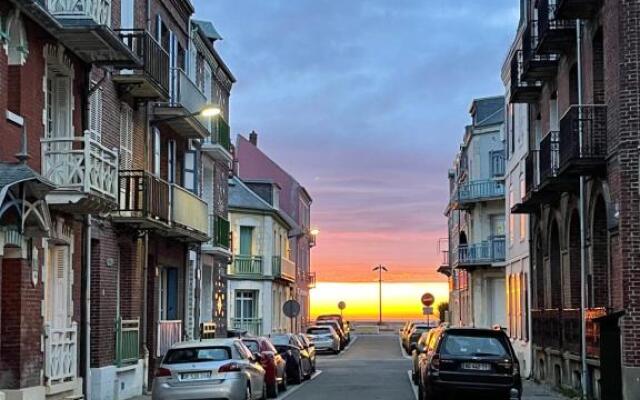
{"x": 460, "y": 360}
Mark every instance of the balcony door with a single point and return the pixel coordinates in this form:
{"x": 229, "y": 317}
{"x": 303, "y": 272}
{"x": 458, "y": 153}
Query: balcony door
{"x": 169, "y": 294}
{"x": 58, "y": 291}
{"x": 246, "y": 240}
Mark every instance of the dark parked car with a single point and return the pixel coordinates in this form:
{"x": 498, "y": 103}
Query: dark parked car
{"x": 415, "y": 354}
{"x": 273, "y": 363}
{"x": 299, "y": 365}
{"x": 463, "y": 360}
{"x": 345, "y": 326}
{"x": 310, "y": 347}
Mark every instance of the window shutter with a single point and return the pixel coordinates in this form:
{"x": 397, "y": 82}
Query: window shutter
{"x": 156, "y": 151}
{"x": 126, "y": 137}
{"x": 95, "y": 115}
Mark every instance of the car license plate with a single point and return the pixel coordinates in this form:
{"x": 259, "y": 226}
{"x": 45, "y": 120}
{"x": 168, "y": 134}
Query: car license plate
{"x": 476, "y": 366}
{"x": 193, "y": 376}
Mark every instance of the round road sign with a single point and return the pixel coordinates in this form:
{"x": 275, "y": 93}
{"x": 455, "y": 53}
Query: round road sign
{"x": 427, "y": 299}
{"x": 342, "y": 305}
{"x": 291, "y": 308}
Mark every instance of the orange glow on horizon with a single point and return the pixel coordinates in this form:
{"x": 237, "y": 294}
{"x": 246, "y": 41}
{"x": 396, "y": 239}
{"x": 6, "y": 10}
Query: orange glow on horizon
{"x": 400, "y": 300}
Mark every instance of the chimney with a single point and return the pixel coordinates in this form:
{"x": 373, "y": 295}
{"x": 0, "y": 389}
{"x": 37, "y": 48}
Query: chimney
{"x": 253, "y": 138}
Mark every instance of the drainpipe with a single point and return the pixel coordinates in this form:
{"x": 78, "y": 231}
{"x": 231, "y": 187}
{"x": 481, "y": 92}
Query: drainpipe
{"x": 145, "y": 268}
{"x": 583, "y": 236}
{"x": 86, "y": 308}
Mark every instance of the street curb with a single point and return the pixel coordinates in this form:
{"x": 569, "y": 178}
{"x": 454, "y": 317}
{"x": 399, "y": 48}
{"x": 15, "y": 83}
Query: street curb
{"x": 414, "y": 388}
{"x": 291, "y": 391}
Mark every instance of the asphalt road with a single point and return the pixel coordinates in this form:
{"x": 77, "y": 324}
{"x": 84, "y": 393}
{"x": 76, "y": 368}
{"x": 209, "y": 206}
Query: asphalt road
{"x": 372, "y": 368}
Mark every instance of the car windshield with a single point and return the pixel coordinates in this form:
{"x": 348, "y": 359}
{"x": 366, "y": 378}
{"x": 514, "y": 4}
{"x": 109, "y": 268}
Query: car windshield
{"x": 318, "y": 331}
{"x": 473, "y": 346}
{"x": 280, "y": 340}
{"x": 421, "y": 328}
{"x": 252, "y": 345}
{"x": 197, "y": 354}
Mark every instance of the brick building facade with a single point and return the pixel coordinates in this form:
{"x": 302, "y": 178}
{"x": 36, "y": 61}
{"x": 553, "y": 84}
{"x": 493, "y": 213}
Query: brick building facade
{"x": 582, "y": 121}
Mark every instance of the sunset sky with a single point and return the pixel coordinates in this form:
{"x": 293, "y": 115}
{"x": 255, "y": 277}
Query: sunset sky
{"x": 365, "y": 103}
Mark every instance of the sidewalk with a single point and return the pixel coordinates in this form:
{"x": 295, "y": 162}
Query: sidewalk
{"x": 535, "y": 391}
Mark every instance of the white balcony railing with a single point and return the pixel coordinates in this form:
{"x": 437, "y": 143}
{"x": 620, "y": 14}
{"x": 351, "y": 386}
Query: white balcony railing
{"x": 80, "y": 163}
{"x": 60, "y": 352}
{"x": 189, "y": 210}
{"x": 99, "y": 11}
{"x": 169, "y": 333}
{"x": 282, "y": 267}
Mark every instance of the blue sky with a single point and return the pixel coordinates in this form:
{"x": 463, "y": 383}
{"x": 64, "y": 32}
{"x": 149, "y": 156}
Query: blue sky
{"x": 365, "y": 103}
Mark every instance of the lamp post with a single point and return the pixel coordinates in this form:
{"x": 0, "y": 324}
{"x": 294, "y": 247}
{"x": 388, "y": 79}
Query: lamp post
{"x": 207, "y": 111}
{"x": 380, "y": 268}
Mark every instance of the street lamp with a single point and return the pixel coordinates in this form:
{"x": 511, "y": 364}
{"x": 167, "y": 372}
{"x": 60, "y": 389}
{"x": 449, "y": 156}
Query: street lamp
{"x": 380, "y": 268}
{"x": 209, "y": 110}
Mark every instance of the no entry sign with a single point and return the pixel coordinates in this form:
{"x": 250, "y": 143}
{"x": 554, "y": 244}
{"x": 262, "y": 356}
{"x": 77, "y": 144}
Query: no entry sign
{"x": 427, "y": 299}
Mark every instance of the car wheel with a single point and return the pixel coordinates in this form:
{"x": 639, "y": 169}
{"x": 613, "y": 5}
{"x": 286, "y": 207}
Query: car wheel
{"x": 283, "y": 384}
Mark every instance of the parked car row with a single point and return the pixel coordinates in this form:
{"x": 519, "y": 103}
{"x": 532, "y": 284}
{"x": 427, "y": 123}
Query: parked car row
{"x": 411, "y": 331}
{"x": 330, "y": 333}
{"x": 452, "y": 361}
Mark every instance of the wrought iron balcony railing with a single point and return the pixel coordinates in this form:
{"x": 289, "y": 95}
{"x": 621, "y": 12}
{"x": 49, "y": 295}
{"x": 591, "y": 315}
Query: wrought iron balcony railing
{"x": 592, "y": 152}
{"x": 152, "y": 79}
{"x": 143, "y": 196}
{"x": 522, "y": 89}
{"x": 246, "y": 266}
{"x": 549, "y": 156}
{"x": 578, "y": 9}
{"x": 486, "y": 252}
{"x": 81, "y": 164}
{"x": 253, "y": 326}
{"x": 555, "y": 34}
{"x": 481, "y": 190}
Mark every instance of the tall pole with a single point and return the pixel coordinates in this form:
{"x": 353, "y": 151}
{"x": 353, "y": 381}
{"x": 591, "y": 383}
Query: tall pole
{"x": 583, "y": 240}
{"x": 380, "y": 268}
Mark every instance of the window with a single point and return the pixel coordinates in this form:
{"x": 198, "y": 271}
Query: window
{"x": 58, "y": 106}
{"x": 95, "y": 115}
{"x": 523, "y": 227}
{"x": 156, "y": 151}
{"x": 197, "y": 354}
{"x": 171, "y": 161}
{"x": 246, "y": 304}
{"x": 126, "y": 137}
{"x": 190, "y": 172}
{"x": 525, "y": 305}
{"x": 246, "y": 240}
{"x": 169, "y": 294}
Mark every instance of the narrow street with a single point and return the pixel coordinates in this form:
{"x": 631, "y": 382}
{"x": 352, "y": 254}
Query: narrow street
{"x": 374, "y": 367}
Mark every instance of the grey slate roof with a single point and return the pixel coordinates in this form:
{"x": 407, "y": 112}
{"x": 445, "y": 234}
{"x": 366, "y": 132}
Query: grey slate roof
{"x": 208, "y": 29}
{"x": 12, "y": 173}
{"x": 489, "y": 111}
{"x": 241, "y": 197}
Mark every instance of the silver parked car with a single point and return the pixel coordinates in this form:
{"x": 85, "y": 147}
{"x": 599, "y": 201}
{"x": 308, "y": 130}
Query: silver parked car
{"x": 324, "y": 338}
{"x": 209, "y": 369}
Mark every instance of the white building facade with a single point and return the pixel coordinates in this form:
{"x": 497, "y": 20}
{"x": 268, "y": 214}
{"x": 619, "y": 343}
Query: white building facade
{"x": 262, "y": 276}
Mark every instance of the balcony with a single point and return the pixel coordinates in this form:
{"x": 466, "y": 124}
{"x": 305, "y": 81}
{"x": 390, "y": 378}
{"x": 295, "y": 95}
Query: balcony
{"x": 556, "y": 35}
{"x": 536, "y": 67}
{"x": 85, "y": 172}
{"x": 189, "y": 215}
{"x": 283, "y": 268}
{"x": 60, "y": 354}
{"x": 531, "y": 198}
{"x": 476, "y": 191}
{"x": 144, "y": 201}
{"x": 253, "y": 326}
{"x": 169, "y": 333}
{"x": 578, "y": 9}
{"x": 561, "y": 330}
{"x": 84, "y": 27}
{"x": 127, "y": 341}
{"x": 151, "y": 80}
{"x": 481, "y": 254}
{"x": 590, "y": 157}
{"x": 523, "y": 89}
{"x": 220, "y": 237}
{"x": 185, "y": 100}
{"x": 218, "y": 143}
{"x": 246, "y": 267}
{"x": 445, "y": 266}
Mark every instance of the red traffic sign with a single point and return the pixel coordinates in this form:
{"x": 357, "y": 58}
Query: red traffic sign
{"x": 427, "y": 299}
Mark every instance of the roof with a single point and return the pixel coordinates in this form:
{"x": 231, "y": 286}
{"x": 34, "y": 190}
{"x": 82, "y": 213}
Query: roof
{"x": 205, "y": 342}
{"x": 488, "y": 111}
{"x": 242, "y": 197}
{"x": 13, "y": 173}
{"x": 208, "y": 31}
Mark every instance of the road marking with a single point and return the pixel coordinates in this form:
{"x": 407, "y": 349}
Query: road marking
{"x": 414, "y": 388}
{"x": 292, "y": 390}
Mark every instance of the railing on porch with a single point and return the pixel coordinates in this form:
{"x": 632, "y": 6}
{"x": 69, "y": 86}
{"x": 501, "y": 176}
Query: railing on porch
{"x": 61, "y": 353}
{"x": 169, "y": 333}
{"x": 488, "y": 251}
{"x": 99, "y": 11}
{"x": 81, "y": 163}
{"x": 253, "y": 326}
{"x": 549, "y": 156}
{"x": 143, "y": 195}
{"x": 592, "y": 119}
{"x": 480, "y": 190}
{"x": 246, "y": 265}
{"x": 127, "y": 341}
